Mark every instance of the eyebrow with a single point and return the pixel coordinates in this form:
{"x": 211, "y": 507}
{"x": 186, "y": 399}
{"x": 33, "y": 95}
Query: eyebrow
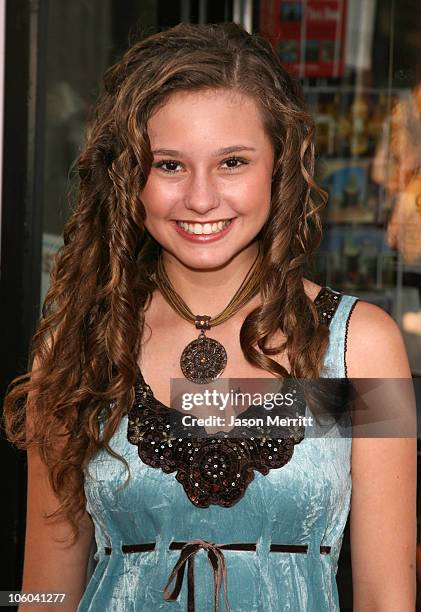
{"x": 224, "y": 151}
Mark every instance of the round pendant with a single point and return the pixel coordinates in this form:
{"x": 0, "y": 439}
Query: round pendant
{"x": 203, "y": 360}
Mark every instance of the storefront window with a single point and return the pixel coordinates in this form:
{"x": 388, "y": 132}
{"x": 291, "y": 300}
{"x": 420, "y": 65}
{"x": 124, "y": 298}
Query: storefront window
{"x": 358, "y": 63}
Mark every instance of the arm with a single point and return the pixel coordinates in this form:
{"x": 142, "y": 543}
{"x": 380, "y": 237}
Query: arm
{"x": 49, "y": 566}
{"x": 383, "y": 502}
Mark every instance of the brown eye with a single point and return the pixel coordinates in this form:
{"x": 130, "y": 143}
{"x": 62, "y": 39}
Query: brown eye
{"x": 171, "y": 166}
{"x": 236, "y": 161}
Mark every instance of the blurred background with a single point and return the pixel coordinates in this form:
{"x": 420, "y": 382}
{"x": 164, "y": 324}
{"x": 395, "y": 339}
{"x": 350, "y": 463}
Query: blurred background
{"x": 359, "y": 63}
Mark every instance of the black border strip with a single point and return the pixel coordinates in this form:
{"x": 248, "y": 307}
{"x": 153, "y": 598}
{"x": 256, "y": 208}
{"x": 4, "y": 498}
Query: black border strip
{"x": 346, "y": 334}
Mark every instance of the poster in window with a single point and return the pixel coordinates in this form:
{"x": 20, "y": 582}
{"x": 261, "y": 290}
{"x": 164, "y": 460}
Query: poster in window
{"x": 308, "y": 36}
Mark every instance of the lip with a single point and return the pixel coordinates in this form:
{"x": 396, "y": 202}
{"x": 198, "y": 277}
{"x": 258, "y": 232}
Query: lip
{"x": 204, "y": 238}
{"x": 211, "y": 222}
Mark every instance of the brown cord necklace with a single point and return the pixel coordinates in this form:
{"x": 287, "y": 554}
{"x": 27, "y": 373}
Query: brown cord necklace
{"x": 204, "y": 359}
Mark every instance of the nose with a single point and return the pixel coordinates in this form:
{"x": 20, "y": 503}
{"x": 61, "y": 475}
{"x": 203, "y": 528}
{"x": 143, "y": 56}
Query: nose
{"x": 201, "y": 194}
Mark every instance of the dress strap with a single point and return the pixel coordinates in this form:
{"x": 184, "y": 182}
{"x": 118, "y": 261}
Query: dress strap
{"x": 326, "y": 303}
{"x": 335, "y": 357}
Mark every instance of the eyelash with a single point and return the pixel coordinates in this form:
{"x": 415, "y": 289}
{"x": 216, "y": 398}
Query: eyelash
{"x": 173, "y": 161}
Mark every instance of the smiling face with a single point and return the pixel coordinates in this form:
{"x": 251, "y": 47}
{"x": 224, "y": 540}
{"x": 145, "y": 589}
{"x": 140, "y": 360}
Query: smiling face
{"x": 208, "y": 192}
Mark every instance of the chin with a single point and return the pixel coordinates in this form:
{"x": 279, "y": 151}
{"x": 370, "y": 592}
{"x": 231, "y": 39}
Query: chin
{"x": 210, "y": 261}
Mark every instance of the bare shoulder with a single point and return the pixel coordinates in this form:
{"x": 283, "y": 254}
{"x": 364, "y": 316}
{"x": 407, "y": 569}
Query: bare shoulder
{"x": 375, "y": 346}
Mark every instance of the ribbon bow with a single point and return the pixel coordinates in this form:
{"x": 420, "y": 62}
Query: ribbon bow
{"x": 217, "y": 560}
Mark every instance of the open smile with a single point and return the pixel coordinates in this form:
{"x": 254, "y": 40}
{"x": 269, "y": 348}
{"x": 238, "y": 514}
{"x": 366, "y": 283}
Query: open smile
{"x": 204, "y": 232}
{"x": 210, "y": 227}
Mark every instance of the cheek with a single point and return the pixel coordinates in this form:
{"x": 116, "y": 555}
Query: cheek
{"x": 156, "y": 198}
{"x": 255, "y": 194}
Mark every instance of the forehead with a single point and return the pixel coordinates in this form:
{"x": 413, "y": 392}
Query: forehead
{"x": 208, "y": 116}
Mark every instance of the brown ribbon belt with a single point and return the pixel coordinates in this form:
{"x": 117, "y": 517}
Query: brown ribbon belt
{"x": 216, "y": 559}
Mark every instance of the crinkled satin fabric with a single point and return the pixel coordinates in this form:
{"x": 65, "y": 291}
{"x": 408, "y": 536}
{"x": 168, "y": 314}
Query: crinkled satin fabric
{"x": 305, "y": 502}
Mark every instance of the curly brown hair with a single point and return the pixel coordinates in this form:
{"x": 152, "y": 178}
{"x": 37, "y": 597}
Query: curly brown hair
{"x": 88, "y": 338}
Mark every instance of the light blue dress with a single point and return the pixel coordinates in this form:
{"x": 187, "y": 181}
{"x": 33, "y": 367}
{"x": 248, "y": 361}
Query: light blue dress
{"x": 305, "y": 502}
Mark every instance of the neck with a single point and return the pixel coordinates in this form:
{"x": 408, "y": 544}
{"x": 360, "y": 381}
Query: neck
{"x": 209, "y": 291}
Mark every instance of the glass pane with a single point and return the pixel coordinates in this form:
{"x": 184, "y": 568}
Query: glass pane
{"x": 358, "y": 62}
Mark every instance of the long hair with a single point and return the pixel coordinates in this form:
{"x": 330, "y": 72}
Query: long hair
{"x": 88, "y": 338}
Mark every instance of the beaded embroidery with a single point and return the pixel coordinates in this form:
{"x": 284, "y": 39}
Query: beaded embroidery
{"x": 326, "y": 303}
{"x": 217, "y": 469}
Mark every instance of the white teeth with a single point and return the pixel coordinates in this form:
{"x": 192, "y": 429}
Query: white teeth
{"x": 206, "y": 228}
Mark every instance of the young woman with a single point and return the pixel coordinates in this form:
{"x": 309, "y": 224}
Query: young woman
{"x": 197, "y": 200}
